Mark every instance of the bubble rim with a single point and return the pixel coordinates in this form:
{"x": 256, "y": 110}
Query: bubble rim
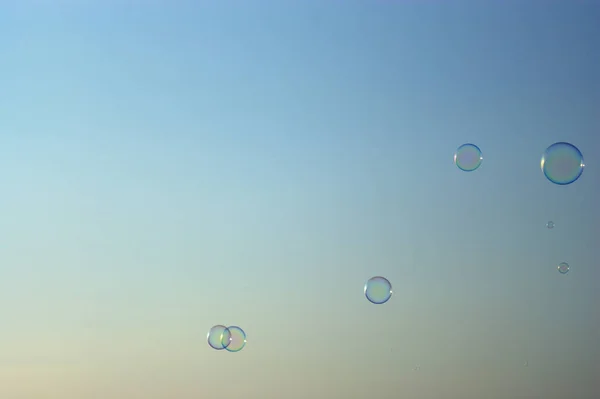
{"x": 480, "y": 157}
{"x": 565, "y": 182}
{"x": 228, "y": 329}
{"x": 387, "y": 298}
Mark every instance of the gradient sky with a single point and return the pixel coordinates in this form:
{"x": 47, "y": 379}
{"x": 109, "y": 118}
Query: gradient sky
{"x": 169, "y": 166}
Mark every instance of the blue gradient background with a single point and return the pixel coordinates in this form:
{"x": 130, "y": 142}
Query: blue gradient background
{"x": 169, "y": 166}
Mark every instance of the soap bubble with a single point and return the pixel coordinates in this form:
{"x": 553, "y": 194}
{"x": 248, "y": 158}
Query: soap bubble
{"x": 468, "y": 157}
{"x": 237, "y": 339}
{"x": 219, "y": 337}
{"x": 562, "y": 163}
{"x": 378, "y": 290}
{"x": 563, "y": 268}
{"x": 550, "y": 224}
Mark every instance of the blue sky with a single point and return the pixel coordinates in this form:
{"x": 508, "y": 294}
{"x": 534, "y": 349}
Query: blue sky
{"x": 172, "y": 166}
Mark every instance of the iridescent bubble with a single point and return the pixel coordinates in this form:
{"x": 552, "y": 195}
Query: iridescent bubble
{"x": 219, "y": 337}
{"x": 468, "y": 157}
{"x": 237, "y": 339}
{"x": 563, "y": 268}
{"x": 562, "y": 163}
{"x": 378, "y": 290}
{"x": 550, "y": 224}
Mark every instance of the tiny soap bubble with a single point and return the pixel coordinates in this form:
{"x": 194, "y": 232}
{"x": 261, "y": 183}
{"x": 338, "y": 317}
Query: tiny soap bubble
{"x": 468, "y": 157}
{"x": 563, "y": 268}
{"x": 378, "y": 290}
{"x": 562, "y": 163}
{"x": 218, "y": 337}
{"x": 237, "y": 339}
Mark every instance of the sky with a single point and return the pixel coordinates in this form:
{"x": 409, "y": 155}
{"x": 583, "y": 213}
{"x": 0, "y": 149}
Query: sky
{"x": 170, "y": 166}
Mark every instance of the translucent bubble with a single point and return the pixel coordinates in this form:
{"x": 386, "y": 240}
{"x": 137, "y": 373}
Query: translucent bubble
{"x": 378, "y": 290}
{"x": 563, "y": 268}
{"x": 550, "y": 224}
{"x": 562, "y": 163}
{"x": 237, "y": 339}
{"x": 468, "y": 157}
{"x": 219, "y": 337}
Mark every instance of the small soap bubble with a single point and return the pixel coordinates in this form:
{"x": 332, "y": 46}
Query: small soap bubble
{"x": 562, "y": 163}
{"x": 237, "y": 339}
{"x": 550, "y": 224}
{"x": 468, "y": 157}
{"x": 219, "y": 337}
{"x": 563, "y": 268}
{"x": 378, "y": 290}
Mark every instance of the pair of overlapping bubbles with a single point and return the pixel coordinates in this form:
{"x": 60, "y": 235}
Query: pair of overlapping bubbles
{"x": 562, "y": 163}
{"x": 232, "y": 339}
